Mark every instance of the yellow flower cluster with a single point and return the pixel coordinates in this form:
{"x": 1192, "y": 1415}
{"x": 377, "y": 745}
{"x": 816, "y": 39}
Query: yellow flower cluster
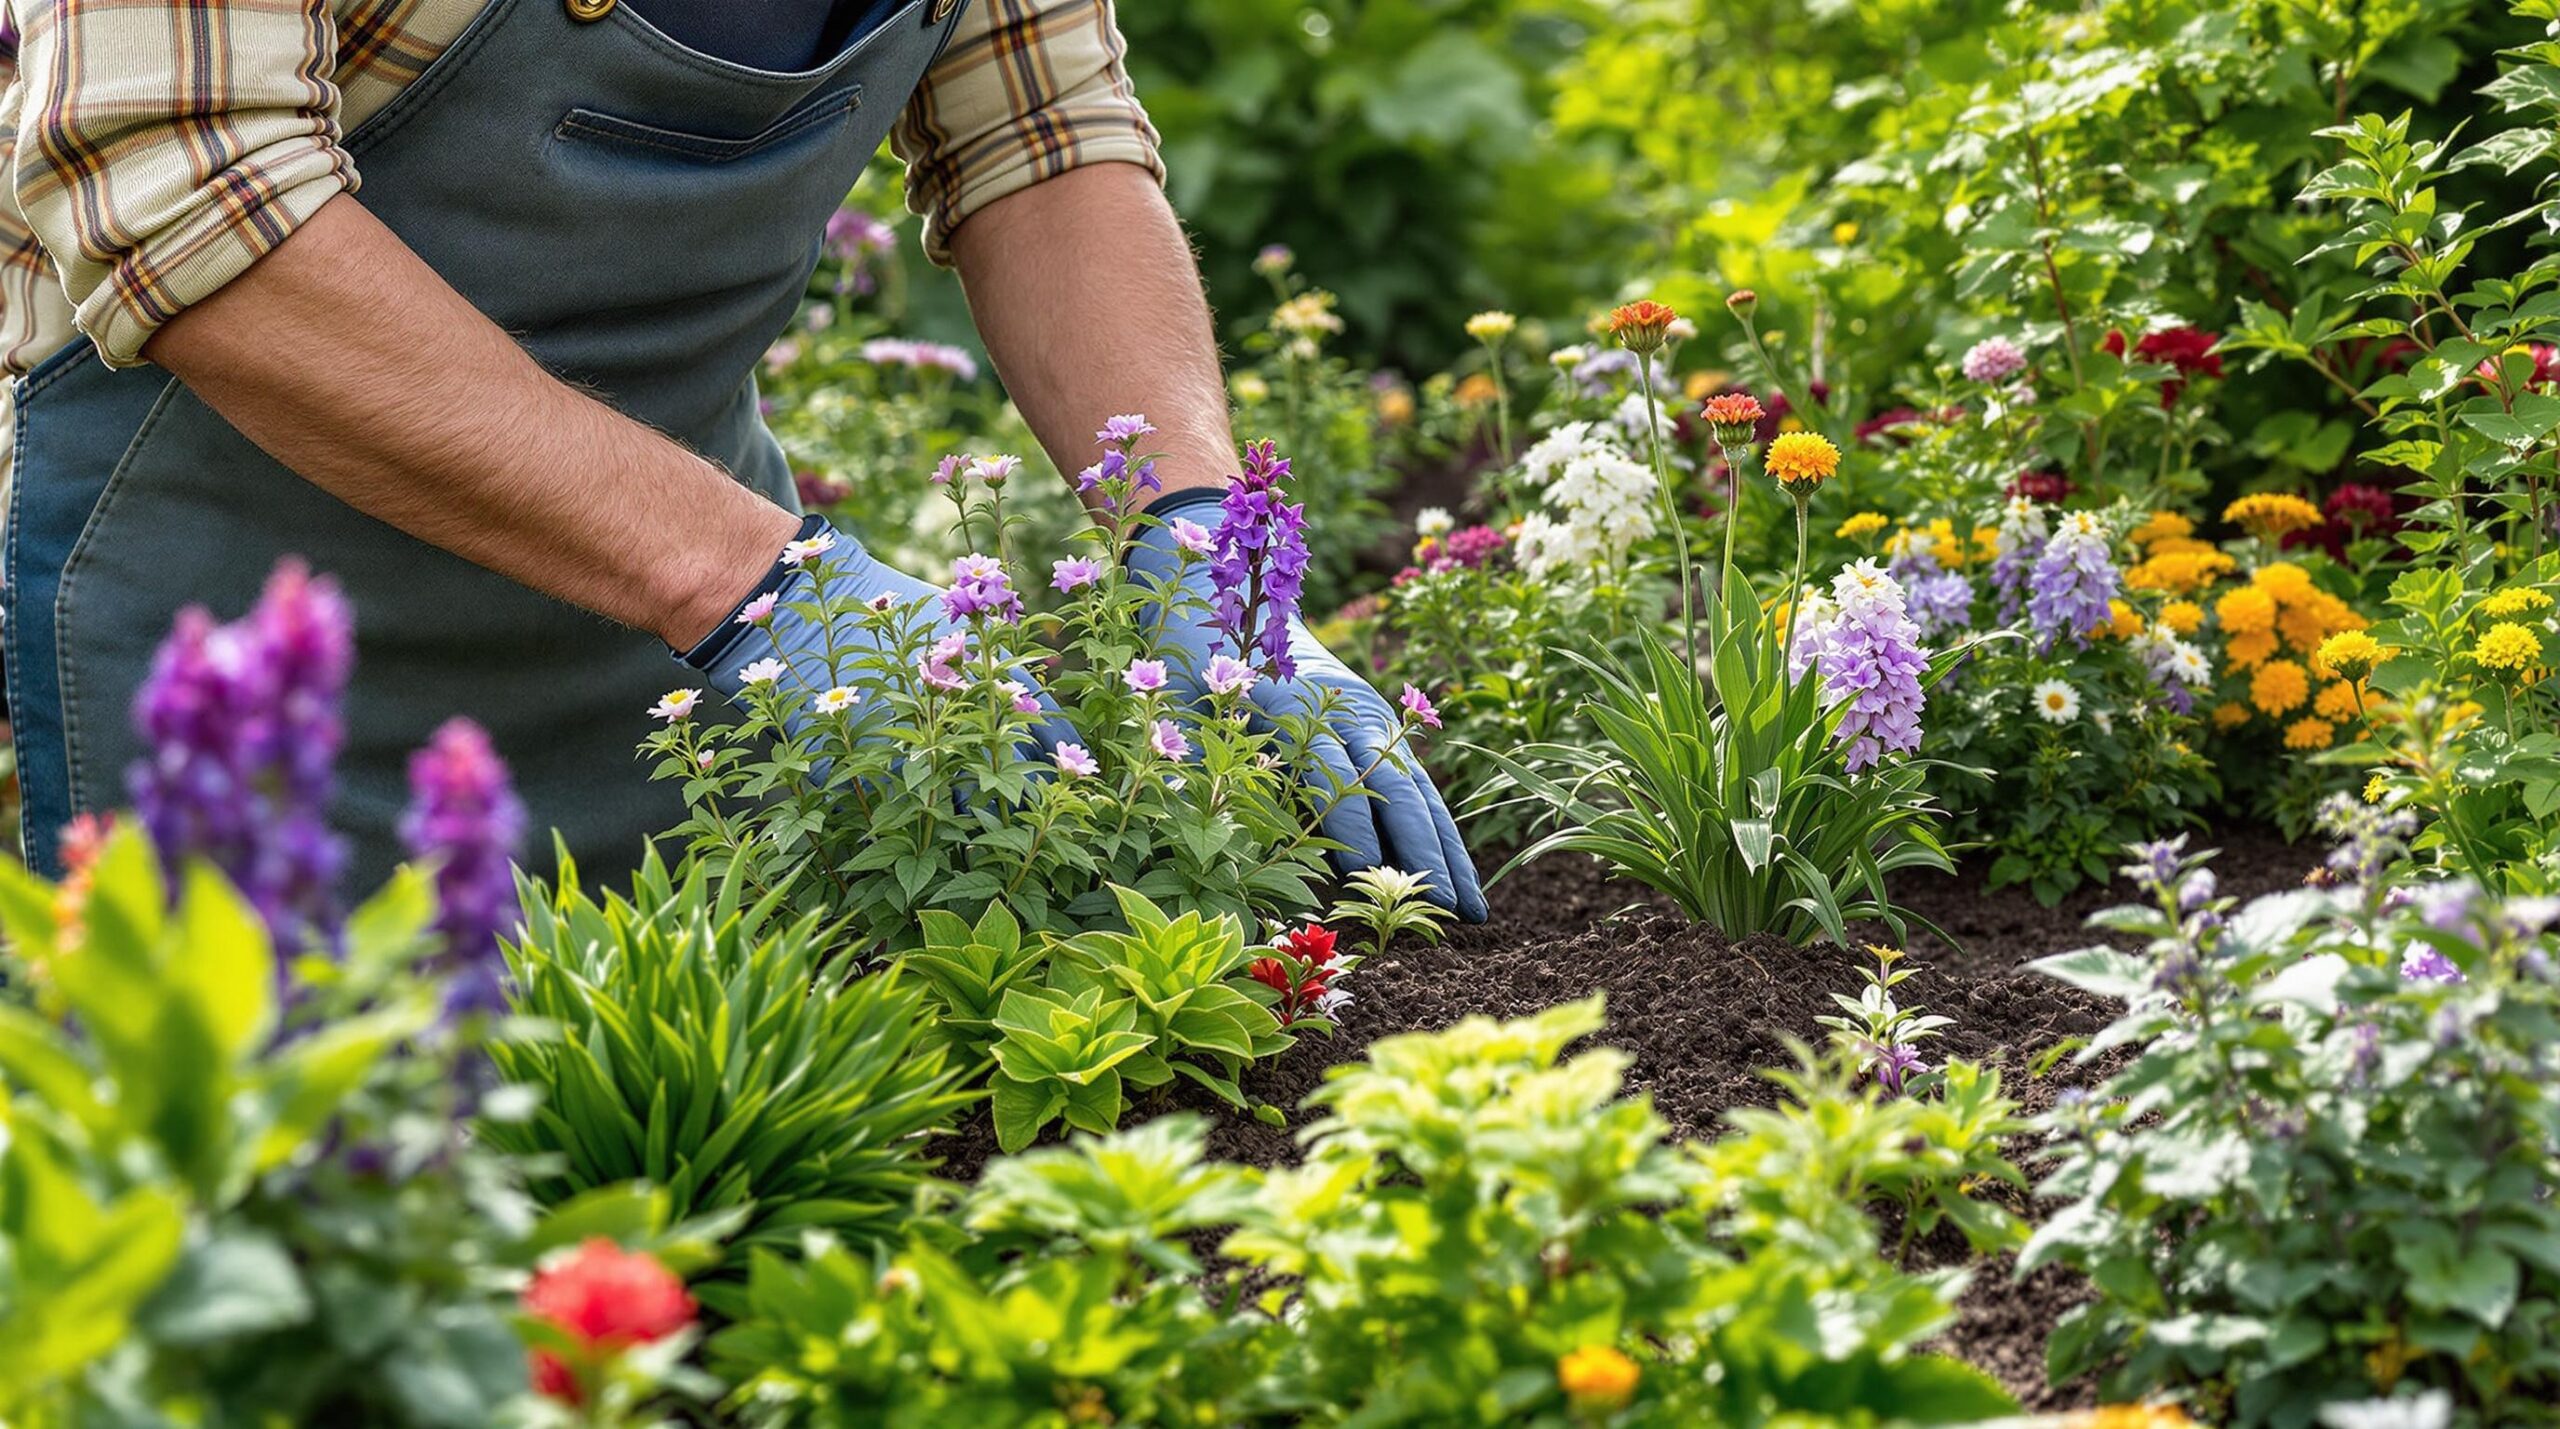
{"x": 2279, "y": 686}
{"x": 2340, "y": 700}
{"x": 2230, "y": 714}
{"x": 2508, "y": 647}
{"x": 2350, "y": 654}
{"x": 2161, "y": 526}
{"x": 1942, "y": 540}
{"x": 2188, "y": 568}
{"x": 2280, "y": 609}
{"x": 1310, "y": 314}
{"x": 1801, "y": 457}
{"x": 2508, "y": 604}
{"x": 1492, "y": 326}
{"x": 1597, "y": 1377}
{"x": 2123, "y": 622}
{"x": 1861, "y": 526}
{"x": 2269, "y": 515}
{"x": 2134, "y": 1416}
{"x": 2183, "y": 616}
{"x": 2309, "y": 733}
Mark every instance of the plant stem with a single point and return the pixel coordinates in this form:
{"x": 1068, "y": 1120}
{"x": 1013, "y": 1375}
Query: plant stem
{"x": 1670, "y": 507}
{"x": 1795, "y": 592}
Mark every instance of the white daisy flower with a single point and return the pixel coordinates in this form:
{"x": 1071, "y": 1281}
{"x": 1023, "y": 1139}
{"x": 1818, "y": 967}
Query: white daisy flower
{"x": 2431, "y": 1410}
{"x": 839, "y": 699}
{"x": 762, "y": 672}
{"x": 676, "y": 704}
{"x": 2057, "y": 702}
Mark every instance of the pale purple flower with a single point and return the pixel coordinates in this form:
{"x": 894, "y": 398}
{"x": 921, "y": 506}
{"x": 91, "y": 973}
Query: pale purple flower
{"x": 1274, "y": 259}
{"x": 2068, "y": 591}
{"x": 947, "y": 470}
{"x": 1258, "y": 560}
{"x": 464, "y": 817}
{"x": 1074, "y": 573}
{"x": 1144, "y": 677}
{"x": 1893, "y": 1065}
{"x": 1023, "y": 703}
{"x": 1994, "y": 359}
{"x": 1167, "y": 740}
{"x": 993, "y": 470}
{"x": 1190, "y": 537}
{"x": 920, "y": 356}
{"x": 762, "y": 672}
{"x": 939, "y": 666}
{"x": 1417, "y": 705}
{"x": 1939, "y": 600}
{"x": 1871, "y": 662}
{"x": 1124, "y": 429}
{"x": 796, "y": 553}
{"x": 1075, "y": 759}
{"x": 760, "y": 609}
{"x": 2424, "y": 964}
{"x": 979, "y": 586}
{"x": 1228, "y": 675}
{"x": 854, "y": 237}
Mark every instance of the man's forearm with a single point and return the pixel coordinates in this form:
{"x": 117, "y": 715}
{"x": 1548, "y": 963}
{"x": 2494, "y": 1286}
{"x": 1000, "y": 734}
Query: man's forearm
{"x": 1087, "y": 295}
{"x": 348, "y": 359}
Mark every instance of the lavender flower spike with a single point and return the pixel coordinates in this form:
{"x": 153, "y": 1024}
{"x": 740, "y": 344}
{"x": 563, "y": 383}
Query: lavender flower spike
{"x": 1258, "y": 560}
{"x": 464, "y": 816}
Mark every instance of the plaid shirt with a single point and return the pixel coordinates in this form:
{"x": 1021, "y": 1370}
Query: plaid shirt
{"x": 160, "y": 149}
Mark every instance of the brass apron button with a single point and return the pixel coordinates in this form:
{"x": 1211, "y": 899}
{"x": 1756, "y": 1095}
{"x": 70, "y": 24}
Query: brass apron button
{"x": 589, "y": 10}
{"x": 941, "y": 11}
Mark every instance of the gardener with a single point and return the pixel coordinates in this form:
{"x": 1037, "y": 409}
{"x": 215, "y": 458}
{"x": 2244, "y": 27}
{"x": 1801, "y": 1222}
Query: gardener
{"x": 510, "y": 381}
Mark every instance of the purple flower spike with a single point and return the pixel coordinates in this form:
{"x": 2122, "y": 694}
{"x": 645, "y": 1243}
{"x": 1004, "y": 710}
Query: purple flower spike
{"x": 464, "y": 816}
{"x": 2068, "y": 591}
{"x": 241, "y": 729}
{"x": 1258, "y": 560}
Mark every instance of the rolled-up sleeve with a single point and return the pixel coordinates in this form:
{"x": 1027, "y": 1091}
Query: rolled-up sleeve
{"x": 164, "y": 148}
{"x": 1027, "y": 90}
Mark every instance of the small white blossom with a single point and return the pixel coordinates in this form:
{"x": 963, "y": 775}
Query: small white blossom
{"x": 2056, "y": 702}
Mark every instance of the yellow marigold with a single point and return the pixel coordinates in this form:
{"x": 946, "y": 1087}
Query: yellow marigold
{"x": 2509, "y": 647}
{"x": 1597, "y": 1377}
{"x": 1395, "y": 406}
{"x": 2377, "y": 786}
{"x": 2268, "y": 515}
{"x": 1706, "y": 382}
{"x": 1801, "y": 457}
{"x": 1861, "y": 526}
{"x": 2230, "y": 714}
{"x": 1492, "y": 326}
{"x": 2123, "y": 621}
{"x": 1475, "y": 390}
{"x": 1986, "y": 543}
{"x": 2134, "y": 1416}
{"x": 2178, "y": 572}
{"x": 2278, "y": 686}
{"x": 2309, "y": 734}
{"x": 2339, "y": 700}
{"x": 2462, "y": 712}
{"x": 2182, "y": 616}
{"x": 2249, "y": 647}
{"x": 2245, "y": 610}
{"x": 2282, "y": 579}
{"x": 2523, "y": 600}
{"x": 2161, "y": 526}
{"x": 2303, "y": 626}
{"x": 2352, "y": 654}
{"x": 2181, "y": 546}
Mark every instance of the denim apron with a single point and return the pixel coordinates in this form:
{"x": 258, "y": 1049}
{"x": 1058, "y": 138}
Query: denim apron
{"x": 644, "y": 218}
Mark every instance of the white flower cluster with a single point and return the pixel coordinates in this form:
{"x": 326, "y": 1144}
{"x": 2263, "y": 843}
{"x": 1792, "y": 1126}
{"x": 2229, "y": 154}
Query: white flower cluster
{"x": 1599, "y": 501}
{"x": 2172, "y": 658}
{"x": 2022, "y": 528}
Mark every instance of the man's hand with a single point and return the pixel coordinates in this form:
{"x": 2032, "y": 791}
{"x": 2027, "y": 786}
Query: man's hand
{"x": 1406, "y": 824}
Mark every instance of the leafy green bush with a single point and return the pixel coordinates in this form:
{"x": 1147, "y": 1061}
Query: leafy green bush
{"x": 2325, "y": 1172}
{"x": 1482, "y": 1233}
{"x": 715, "y": 1047}
{"x": 225, "y": 1209}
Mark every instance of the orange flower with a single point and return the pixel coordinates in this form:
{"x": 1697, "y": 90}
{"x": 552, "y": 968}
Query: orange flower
{"x": 1597, "y": 1377}
{"x": 2182, "y": 616}
{"x": 1641, "y": 326}
{"x": 1737, "y": 412}
{"x": 2230, "y": 714}
{"x": 2279, "y": 686}
{"x": 1474, "y": 390}
{"x": 1805, "y": 458}
{"x": 2248, "y": 609}
{"x": 2249, "y": 647}
{"x": 2309, "y": 734}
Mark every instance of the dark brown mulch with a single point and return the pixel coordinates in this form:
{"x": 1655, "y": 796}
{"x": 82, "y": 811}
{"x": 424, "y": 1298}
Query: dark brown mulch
{"x": 1703, "y": 1015}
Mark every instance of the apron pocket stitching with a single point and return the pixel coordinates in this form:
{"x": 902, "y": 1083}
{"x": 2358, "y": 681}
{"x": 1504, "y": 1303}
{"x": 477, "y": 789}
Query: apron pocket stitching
{"x": 596, "y": 126}
{"x": 69, "y": 680}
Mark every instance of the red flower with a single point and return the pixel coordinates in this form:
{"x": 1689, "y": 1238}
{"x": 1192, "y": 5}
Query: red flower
{"x": 1312, "y": 944}
{"x": 1270, "y": 972}
{"x": 2361, "y": 506}
{"x": 609, "y": 1300}
{"x": 2041, "y": 486}
{"x": 1883, "y": 423}
{"x": 2546, "y": 365}
{"x": 2188, "y": 349}
{"x": 1641, "y": 326}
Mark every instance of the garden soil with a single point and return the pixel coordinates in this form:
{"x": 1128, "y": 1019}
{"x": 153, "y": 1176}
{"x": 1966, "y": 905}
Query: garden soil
{"x": 1703, "y": 1015}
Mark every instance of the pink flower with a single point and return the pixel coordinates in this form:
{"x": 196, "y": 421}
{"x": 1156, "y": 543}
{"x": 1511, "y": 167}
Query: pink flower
{"x": 760, "y": 609}
{"x": 799, "y": 552}
{"x": 762, "y": 672}
{"x": 939, "y": 667}
{"x": 1074, "y": 573}
{"x": 1168, "y": 741}
{"x": 676, "y": 705}
{"x": 1023, "y": 703}
{"x": 1190, "y": 536}
{"x": 947, "y": 470}
{"x": 1074, "y": 759}
{"x": 1994, "y": 359}
{"x": 1418, "y": 705}
{"x": 1124, "y": 429}
{"x": 1229, "y": 676}
{"x": 1144, "y": 677}
{"x": 993, "y": 470}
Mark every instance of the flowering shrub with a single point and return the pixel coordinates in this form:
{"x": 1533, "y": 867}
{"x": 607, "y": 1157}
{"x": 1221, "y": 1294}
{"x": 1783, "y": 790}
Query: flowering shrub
{"x": 929, "y": 792}
{"x": 2321, "y": 1175}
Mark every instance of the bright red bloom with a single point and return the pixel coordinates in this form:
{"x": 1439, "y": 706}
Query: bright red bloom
{"x": 1641, "y": 326}
{"x": 1310, "y": 944}
{"x": 2188, "y": 349}
{"x": 2361, "y": 506}
{"x": 609, "y": 1299}
{"x": 1270, "y": 972}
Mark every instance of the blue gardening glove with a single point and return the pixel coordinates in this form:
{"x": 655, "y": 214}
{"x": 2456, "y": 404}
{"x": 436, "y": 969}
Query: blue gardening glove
{"x": 769, "y": 626}
{"x": 1407, "y": 824}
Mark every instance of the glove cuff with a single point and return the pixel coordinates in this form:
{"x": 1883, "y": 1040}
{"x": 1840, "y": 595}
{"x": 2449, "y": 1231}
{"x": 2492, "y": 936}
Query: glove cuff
{"x": 1182, "y": 499}
{"x": 713, "y": 649}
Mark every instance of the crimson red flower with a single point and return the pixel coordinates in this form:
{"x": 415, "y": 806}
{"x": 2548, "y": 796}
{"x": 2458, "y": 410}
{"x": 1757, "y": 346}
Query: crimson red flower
{"x": 2041, "y": 486}
{"x": 2188, "y": 349}
{"x": 1311, "y": 944}
{"x": 1270, "y": 972}
{"x": 2362, "y": 506}
{"x": 608, "y": 1299}
{"x": 2546, "y": 365}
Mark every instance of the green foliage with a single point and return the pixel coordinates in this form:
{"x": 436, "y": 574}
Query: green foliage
{"x": 1389, "y": 903}
{"x": 1473, "y": 1210}
{"x": 700, "y": 1041}
{"x": 2323, "y": 1173}
{"x": 1728, "y": 793}
{"x": 223, "y": 1207}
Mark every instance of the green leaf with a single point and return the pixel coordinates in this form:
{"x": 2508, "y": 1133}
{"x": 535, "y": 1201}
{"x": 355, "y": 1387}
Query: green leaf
{"x": 230, "y": 1285}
